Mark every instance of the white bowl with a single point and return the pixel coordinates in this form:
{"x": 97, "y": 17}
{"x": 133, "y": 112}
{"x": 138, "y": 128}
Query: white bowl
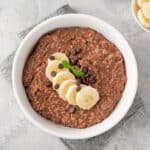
{"x": 110, "y": 33}
{"x": 134, "y": 13}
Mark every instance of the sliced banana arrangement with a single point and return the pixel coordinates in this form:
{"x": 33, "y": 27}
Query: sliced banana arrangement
{"x": 87, "y": 97}
{"x": 62, "y": 91}
{"x": 143, "y": 14}
{"x": 62, "y": 76}
{"x": 66, "y": 84}
{"x": 71, "y": 94}
{"x": 53, "y": 69}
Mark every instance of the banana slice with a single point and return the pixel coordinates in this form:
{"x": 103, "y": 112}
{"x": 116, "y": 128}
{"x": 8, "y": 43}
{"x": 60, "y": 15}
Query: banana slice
{"x": 52, "y": 69}
{"x": 145, "y": 22}
{"x": 71, "y": 94}
{"x": 146, "y": 10}
{"x": 87, "y": 97}
{"x": 61, "y": 77}
{"x": 64, "y": 88}
{"x": 140, "y": 2}
{"x": 58, "y": 56}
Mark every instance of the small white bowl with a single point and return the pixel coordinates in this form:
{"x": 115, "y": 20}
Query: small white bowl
{"x": 110, "y": 33}
{"x": 134, "y": 13}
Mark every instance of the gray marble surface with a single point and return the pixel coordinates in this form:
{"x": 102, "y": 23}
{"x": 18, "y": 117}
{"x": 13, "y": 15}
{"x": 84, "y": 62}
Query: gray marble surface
{"x": 15, "y": 131}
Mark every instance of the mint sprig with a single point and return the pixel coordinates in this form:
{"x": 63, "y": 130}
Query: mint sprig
{"x": 77, "y": 72}
{"x": 66, "y": 64}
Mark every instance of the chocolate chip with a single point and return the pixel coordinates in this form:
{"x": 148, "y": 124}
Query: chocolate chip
{"x": 26, "y": 86}
{"x": 92, "y": 80}
{"x": 85, "y": 69}
{"x": 74, "y": 60}
{"x": 71, "y": 109}
{"x": 76, "y": 51}
{"x": 86, "y": 42}
{"x": 67, "y": 53}
{"x": 78, "y": 88}
{"x": 60, "y": 66}
{"x": 56, "y": 86}
{"x": 73, "y": 52}
{"x": 78, "y": 82}
{"x": 84, "y": 81}
{"x": 48, "y": 84}
{"x": 53, "y": 73}
{"x": 90, "y": 72}
{"x": 52, "y": 57}
{"x": 78, "y": 64}
{"x": 89, "y": 77}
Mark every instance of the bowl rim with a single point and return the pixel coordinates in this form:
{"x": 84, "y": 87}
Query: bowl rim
{"x": 84, "y": 134}
{"x": 133, "y": 3}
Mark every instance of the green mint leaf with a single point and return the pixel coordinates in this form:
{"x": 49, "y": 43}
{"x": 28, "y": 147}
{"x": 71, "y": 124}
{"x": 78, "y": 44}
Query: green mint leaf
{"x": 77, "y": 72}
{"x": 66, "y": 64}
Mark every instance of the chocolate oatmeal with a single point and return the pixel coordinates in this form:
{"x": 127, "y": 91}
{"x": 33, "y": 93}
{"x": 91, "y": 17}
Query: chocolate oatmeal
{"x": 98, "y": 58}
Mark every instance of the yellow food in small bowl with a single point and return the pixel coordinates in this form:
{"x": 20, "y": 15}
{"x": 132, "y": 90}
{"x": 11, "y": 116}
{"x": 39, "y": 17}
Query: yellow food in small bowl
{"x": 143, "y": 13}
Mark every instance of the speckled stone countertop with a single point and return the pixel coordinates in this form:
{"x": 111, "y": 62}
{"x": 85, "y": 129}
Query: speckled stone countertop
{"x": 16, "y": 132}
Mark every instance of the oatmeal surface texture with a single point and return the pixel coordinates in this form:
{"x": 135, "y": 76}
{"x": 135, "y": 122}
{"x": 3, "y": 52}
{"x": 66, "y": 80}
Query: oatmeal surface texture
{"x": 97, "y": 53}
